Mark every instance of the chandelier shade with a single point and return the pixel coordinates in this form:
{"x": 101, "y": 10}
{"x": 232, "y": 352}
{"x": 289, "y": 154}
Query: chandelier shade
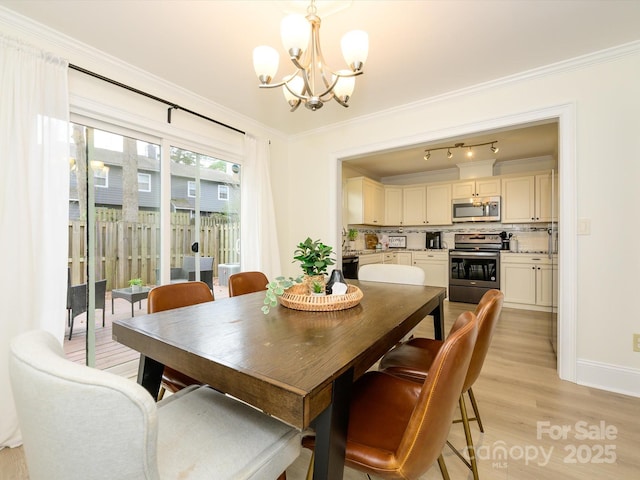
{"x": 312, "y": 82}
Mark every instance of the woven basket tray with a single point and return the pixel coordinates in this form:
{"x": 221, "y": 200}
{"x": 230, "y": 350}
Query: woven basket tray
{"x": 298, "y": 298}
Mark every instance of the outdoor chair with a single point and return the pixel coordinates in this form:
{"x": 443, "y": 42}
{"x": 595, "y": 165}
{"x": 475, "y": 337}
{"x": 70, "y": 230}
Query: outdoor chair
{"x": 397, "y": 427}
{"x": 187, "y": 273}
{"x": 413, "y": 359}
{"x": 77, "y": 301}
{"x": 80, "y": 423}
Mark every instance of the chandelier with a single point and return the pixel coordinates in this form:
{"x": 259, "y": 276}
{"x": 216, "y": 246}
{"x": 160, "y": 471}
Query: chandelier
{"x": 494, "y": 149}
{"x": 313, "y": 82}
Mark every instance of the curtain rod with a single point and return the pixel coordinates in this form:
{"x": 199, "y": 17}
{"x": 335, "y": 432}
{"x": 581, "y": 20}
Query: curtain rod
{"x": 172, "y": 105}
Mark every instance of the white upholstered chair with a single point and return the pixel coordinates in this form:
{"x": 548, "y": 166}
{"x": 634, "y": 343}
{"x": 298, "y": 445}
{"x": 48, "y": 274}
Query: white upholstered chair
{"x": 79, "y": 423}
{"x": 391, "y": 273}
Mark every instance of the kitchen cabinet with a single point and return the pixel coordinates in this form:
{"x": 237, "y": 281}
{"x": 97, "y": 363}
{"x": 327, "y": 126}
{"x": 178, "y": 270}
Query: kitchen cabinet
{"x": 389, "y": 257}
{"x": 485, "y": 187}
{"x": 529, "y": 280}
{"x": 404, "y": 258}
{"x": 414, "y": 205}
{"x": 393, "y": 205}
{"x": 365, "y": 201}
{"x": 369, "y": 258}
{"x": 528, "y": 199}
{"x": 439, "y": 204}
{"x": 435, "y": 266}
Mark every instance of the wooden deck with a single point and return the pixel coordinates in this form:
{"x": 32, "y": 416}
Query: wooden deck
{"x": 111, "y": 355}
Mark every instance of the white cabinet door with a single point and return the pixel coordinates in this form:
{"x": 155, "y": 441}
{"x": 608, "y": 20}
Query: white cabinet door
{"x": 435, "y": 266}
{"x": 439, "y": 204}
{"x": 545, "y": 199}
{"x": 393, "y": 205}
{"x": 486, "y": 187}
{"x": 528, "y": 199}
{"x": 464, "y": 189}
{"x": 518, "y": 283}
{"x": 414, "y": 205}
{"x": 518, "y": 205}
{"x": 544, "y": 285}
{"x": 404, "y": 258}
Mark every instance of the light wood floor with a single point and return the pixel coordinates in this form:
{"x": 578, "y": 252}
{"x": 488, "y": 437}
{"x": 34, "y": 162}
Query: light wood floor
{"x": 517, "y": 391}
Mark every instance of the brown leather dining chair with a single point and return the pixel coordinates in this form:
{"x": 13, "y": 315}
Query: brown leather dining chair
{"x": 397, "y": 427}
{"x": 242, "y": 283}
{"x": 175, "y": 295}
{"x": 413, "y": 359}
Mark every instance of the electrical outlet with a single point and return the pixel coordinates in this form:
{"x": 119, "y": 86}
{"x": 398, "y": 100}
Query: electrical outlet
{"x": 636, "y": 342}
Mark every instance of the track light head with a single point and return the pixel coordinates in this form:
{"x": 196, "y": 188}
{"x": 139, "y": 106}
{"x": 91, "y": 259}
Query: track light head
{"x": 427, "y": 155}
{"x": 494, "y": 149}
{"x": 449, "y": 154}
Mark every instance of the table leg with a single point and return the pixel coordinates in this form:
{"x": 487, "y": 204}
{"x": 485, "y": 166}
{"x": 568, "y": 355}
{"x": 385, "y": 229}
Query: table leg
{"x": 150, "y": 375}
{"x": 438, "y": 320}
{"x": 112, "y": 305}
{"x": 132, "y": 303}
{"x": 331, "y": 431}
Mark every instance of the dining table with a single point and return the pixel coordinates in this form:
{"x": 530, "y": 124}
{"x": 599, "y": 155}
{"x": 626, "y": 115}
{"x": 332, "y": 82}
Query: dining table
{"x": 295, "y": 365}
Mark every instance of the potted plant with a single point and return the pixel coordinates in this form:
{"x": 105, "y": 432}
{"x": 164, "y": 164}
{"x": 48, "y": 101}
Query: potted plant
{"x": 135, "y": 284}
{"x": 314, "y": 257}
{"x": 318, "y": 288}
{"x": 352, "y": 235}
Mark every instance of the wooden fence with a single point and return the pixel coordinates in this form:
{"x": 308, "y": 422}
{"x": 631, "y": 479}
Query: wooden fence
{"x": 127, "y": 250}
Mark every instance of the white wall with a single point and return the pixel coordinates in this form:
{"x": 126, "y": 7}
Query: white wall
{"x": 603, "y": 93}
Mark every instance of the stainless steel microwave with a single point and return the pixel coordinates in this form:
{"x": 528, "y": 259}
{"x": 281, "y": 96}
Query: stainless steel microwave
{"x": 485, "y": 209}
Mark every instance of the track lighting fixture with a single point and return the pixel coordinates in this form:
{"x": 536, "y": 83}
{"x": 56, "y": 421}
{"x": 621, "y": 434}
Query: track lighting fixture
{"x": 494, "y": 149}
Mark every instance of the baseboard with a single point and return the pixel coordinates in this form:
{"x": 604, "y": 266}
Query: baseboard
{"x": 612, "y": 378}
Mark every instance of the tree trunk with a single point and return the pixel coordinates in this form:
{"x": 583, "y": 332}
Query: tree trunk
{"x": 129, "y": 181}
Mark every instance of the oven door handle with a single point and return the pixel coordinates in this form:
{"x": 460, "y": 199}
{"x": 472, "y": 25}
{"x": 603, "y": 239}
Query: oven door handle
{"x": 473, "y": 254}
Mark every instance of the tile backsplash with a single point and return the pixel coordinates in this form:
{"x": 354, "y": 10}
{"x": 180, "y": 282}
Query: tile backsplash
{"x": 530, "y": 238}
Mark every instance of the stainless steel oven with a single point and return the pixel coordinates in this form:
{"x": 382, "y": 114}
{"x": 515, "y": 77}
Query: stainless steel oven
{"x": 474, "y": 266}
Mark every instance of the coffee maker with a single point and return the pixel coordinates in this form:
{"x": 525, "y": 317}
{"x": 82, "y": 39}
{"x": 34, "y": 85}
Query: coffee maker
{"x": 434, "y": 240}
{"x": 505, "y": 240}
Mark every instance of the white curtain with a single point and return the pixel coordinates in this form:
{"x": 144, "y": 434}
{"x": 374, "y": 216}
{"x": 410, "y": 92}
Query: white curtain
{"x": 34, "y": 203}
{"x": 259, "y": 238}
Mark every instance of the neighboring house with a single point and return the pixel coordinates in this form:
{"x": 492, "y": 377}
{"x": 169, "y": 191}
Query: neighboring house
{"x": 219, "y": 191}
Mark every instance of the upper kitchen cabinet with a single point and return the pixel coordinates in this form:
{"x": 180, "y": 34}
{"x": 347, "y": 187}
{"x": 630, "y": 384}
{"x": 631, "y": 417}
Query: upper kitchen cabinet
{"x": 414, "y": 205}
{"x": 527, "y": 199}
{"x": 365, "y": 201}
{"x": 392, "y": 205}
{"x": 439, "y": 204}
{"x": 485, "y": 187}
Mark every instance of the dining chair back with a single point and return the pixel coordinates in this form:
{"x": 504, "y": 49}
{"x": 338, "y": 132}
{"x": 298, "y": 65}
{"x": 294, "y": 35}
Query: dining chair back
{"x": 391, "y": 273}
{"x": 397, "y": 427}
{"x": 242, "y": 283}
{"x": 413, "y": 359}
{"x": 167, "y": 297}
{"x": 91, "y": 424}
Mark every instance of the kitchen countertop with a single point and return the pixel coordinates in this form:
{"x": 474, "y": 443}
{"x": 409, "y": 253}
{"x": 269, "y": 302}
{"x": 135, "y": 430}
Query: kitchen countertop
{"x": 391, "y": 250}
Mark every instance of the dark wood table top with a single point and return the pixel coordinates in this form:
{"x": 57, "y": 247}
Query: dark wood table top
{"x": 285, "y": 362}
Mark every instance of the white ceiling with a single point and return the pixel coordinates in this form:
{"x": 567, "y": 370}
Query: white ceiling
{"x": 418, "y": 49}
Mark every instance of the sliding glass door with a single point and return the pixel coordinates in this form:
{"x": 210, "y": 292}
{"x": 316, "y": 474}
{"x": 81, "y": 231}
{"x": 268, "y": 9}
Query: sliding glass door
{"x": 205, "y": 217}
{"x": 114, "y": 238}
